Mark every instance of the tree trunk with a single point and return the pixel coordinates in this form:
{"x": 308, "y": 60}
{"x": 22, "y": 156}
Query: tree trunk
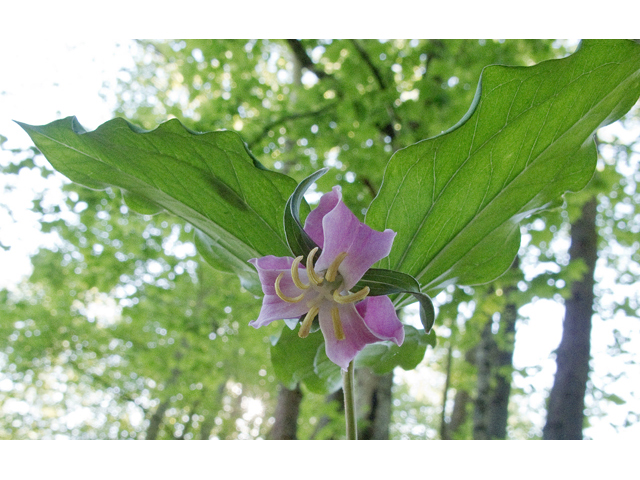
{"x": 444, "y": 427}
{"x": 373, "y": 404}
{"x": 215, "y": 402}
{"x": 494, "y": 359}
{"x": 459, "y": 414}
{"x": 565, "y": 412}
{"x": 287, "y": 411}
{"x": 156, "y": 421}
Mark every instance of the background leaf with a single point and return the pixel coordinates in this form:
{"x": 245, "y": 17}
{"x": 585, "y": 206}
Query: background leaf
{"x": 294, "y": 360}
{"x": 383, "y": 357}
{"x": 456, "y": 200}
{"x": 208, "y": 179}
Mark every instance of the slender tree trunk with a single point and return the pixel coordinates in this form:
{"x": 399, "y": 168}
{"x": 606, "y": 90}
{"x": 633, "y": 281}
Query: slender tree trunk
{"x": 565, "y": 412}
{"x": 494, "y": 359}
{"x": 373, "y": 405}
{"x": 287, "y": 411}
{"x": 494, "y": 387}
{"x": 458, "y": 418}
{"x": 212, "y": 411}
{"x": 444, "y": 427}
{"x": 156, "y": 421}
{"x": 459, "y": 414}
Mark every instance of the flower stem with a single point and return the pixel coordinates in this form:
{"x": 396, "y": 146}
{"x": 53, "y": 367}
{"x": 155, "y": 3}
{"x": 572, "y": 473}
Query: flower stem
{"x": 348, "y": 387}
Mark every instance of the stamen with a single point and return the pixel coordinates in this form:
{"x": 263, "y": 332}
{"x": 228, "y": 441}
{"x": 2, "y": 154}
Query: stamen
{"x": 352, "y": 297}
{"x": 332, "y": 271}
{"x": 282, "y": 295}
{"x": 313, "y": 276}
{"x": 337, "y": 324}
{"x": 294, "y": 274}
{"x": 306, "y": 323}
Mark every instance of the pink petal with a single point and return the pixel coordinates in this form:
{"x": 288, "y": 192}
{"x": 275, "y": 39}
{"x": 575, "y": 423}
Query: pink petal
{"x": 357, "y": 335}
{"x": 273, "y": 307}
{"x": 313, "y": 223}
{"x": 343, "y": 232}
{"x": 370, "y": 321}
{"x": 380, "y": 317}
{"x": 269, "y": 268}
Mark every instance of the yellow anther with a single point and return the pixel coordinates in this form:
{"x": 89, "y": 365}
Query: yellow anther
{"x": 294, "y": 274}
{"x": 352, "y": 297}
{"x": 332, "y": 271}
{"x": 282, "y": 295}
{"x": 313, "y": 276}
{"x": 306, "y": 323}
{"x": 337, "y": 324}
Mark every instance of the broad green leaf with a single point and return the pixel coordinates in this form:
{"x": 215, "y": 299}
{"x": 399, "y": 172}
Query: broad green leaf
{"x": 383, "y": 357}
{"x": 208, "y": 179}
{"x": 329, "y": 374}
{"x": 298, "y": 360}
{"x": 304, "y": 360}
{"x": 292, "y": 356}
{"x": 221, "y": 259}
{"x": 387, "y": 282}
{"x": 456, "y": 200}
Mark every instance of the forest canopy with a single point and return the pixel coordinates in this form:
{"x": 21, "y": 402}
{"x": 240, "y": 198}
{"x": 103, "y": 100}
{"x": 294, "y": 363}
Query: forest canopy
{"x": 138, "y": 316}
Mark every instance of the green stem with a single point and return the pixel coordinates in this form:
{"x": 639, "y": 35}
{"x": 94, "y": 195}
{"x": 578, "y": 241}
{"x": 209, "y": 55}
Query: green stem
{"x": 348, "y": 387}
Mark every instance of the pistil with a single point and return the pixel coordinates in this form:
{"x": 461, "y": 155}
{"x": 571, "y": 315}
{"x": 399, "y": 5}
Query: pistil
{"x": 328, "y": 292}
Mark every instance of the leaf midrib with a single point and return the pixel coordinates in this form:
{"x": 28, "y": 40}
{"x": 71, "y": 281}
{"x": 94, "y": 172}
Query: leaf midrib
{"x": 522, "y": 172}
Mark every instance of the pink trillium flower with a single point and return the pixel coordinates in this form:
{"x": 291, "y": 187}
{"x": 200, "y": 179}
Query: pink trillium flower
{"x": 349, "y": 320}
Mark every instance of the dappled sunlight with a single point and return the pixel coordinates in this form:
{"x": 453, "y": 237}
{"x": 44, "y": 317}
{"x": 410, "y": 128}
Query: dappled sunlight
{"x": 115, "y": 326}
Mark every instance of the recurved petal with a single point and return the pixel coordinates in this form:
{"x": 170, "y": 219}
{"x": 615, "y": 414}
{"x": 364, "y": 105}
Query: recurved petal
{"x": 356, "y": 333}
{"x": 379, "y": 315}
{"x": 343, "y": 232}
{"x": 273, "y": 307}
{"x": 270, "y": 267}
{"x": 313, "y": 223}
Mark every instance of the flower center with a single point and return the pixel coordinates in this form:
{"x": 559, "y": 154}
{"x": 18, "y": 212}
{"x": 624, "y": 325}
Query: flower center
{"x": 329, "y": 285}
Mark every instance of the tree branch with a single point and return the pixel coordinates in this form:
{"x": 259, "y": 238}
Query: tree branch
{"x": 389, "y": 128}
{"x": 367, "y": 59}
{"x": 287, "y": 118}
{"x": 304, "y": 59}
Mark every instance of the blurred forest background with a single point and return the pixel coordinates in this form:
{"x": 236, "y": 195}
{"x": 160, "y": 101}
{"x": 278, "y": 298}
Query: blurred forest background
{"x": 122, "y": 331}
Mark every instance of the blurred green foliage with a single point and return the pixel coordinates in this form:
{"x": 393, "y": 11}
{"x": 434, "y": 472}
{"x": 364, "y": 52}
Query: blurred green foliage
{"x": 121, "y": 323}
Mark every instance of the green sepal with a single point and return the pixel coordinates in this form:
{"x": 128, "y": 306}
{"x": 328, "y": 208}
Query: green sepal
{"x": 387, "y": 282}
{"x": 300, "y": 243}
